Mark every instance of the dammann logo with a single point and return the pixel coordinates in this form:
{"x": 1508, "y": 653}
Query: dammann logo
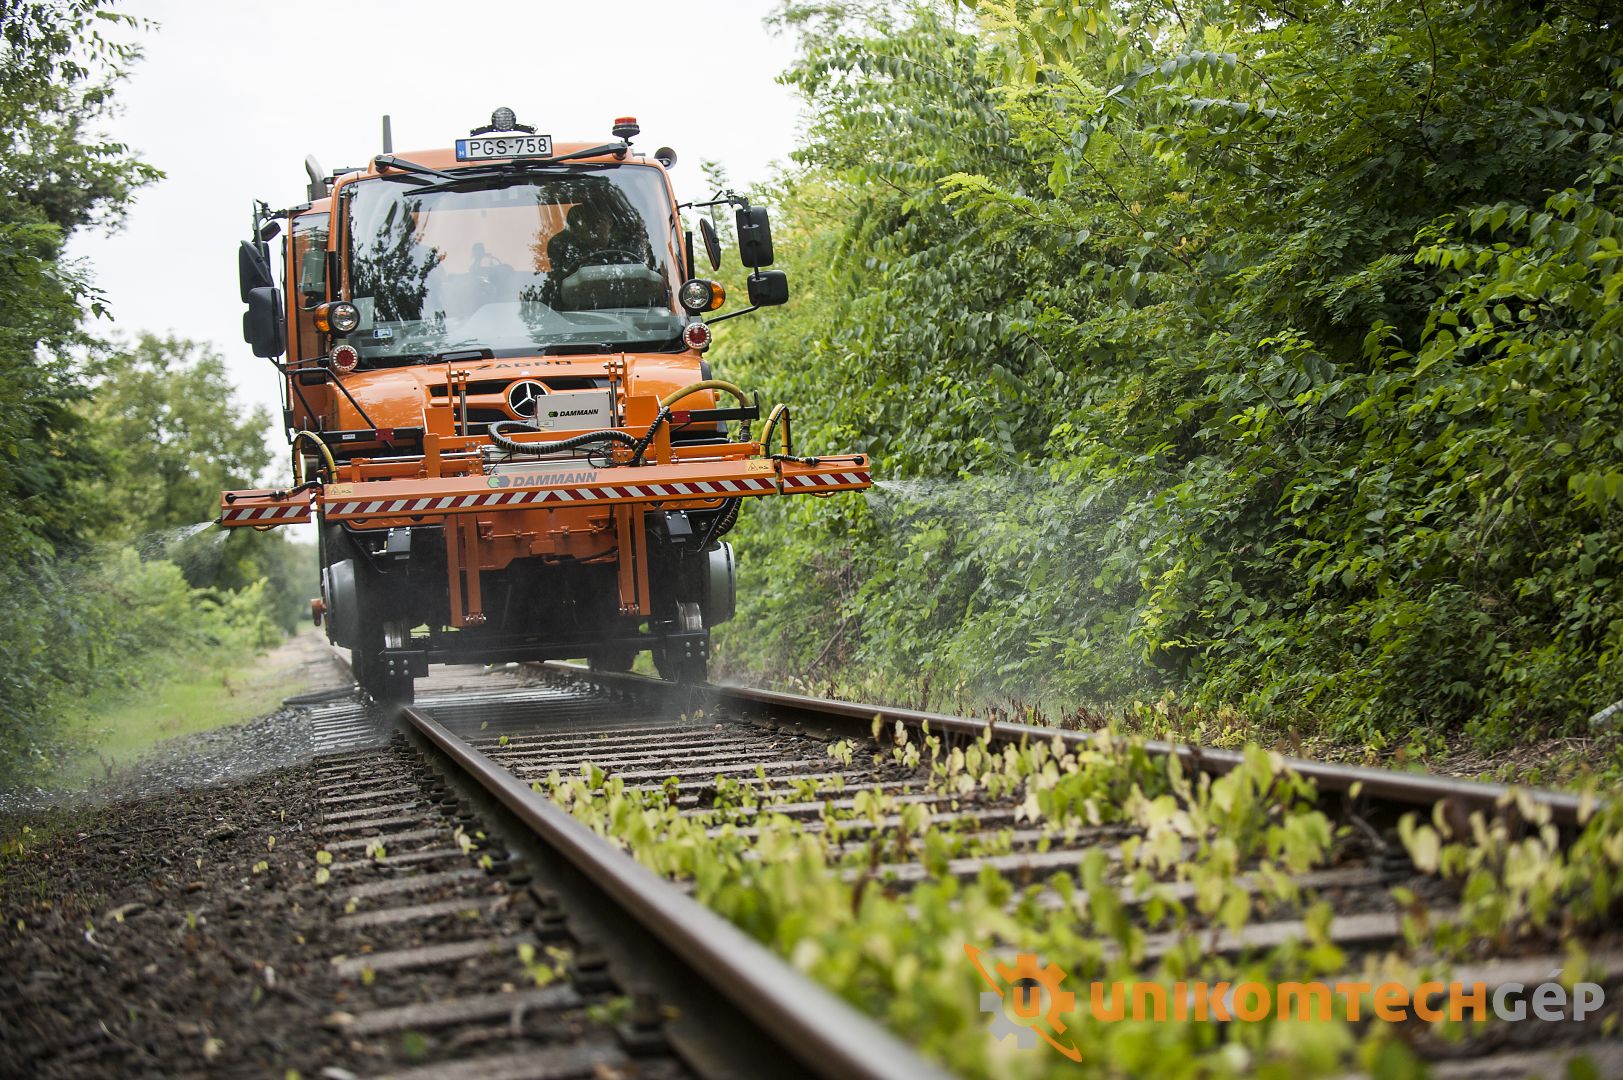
{"x": 554, "y": 479}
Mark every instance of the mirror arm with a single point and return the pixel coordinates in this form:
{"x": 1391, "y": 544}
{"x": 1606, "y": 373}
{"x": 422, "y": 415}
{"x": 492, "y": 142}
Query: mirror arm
{"x": 731, "y": 315}
{"x": 722, "y": 198}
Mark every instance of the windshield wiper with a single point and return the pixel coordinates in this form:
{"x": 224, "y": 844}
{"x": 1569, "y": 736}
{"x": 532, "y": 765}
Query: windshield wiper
{"x": 617, "y": 149}
{"x": 458, "y": 353}
{"x": 389, "y": 161}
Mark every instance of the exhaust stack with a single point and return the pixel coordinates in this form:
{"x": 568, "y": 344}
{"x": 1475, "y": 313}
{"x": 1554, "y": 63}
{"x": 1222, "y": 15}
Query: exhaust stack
{"x": 317, "y": 188}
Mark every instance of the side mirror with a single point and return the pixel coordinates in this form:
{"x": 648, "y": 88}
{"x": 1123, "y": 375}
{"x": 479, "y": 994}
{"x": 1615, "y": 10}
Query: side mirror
{"x": 712, "y": 244}
{"x": 768, "y": 288}
{"x": 754, "y": 237}
{"x": 253, "y": 268}
{"x": 263, "y": 324}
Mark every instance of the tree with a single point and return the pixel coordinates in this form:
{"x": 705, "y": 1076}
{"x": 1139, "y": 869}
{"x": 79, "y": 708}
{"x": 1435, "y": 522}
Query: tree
{"x": 167, "y": 439}
{"x": 59, "y": 64}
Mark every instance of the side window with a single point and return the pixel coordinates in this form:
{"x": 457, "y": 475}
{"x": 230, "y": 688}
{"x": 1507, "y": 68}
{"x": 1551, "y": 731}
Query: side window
{"x": 308, "y": 271}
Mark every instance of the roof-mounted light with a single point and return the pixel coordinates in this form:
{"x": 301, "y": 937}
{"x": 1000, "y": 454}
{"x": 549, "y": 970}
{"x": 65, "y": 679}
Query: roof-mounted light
{"x": 625, "y": 127}
{"x": 503, "y": 119}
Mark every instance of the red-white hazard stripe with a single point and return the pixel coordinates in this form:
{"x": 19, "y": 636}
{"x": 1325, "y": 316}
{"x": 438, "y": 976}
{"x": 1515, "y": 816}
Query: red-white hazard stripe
{"x": 528, "y": 496}
{"x": 272, "y": 514}
{"x": 823, "y": 480}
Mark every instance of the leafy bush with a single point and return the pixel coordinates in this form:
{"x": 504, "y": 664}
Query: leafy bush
{"x": 102, "y": 621}
{"x": 1267, "y": 357}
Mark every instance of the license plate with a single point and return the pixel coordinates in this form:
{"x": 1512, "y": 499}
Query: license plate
{"x": 503, "y": 146}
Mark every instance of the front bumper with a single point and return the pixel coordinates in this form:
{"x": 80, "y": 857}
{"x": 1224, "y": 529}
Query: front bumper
{"x": 378, "y": 503}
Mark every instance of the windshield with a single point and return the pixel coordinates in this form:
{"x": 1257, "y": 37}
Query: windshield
{"x": 554, "y": 262}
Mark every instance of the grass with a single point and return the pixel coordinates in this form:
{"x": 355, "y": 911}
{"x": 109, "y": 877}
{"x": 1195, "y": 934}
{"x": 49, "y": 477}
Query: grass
{"x": 185, "y": 695}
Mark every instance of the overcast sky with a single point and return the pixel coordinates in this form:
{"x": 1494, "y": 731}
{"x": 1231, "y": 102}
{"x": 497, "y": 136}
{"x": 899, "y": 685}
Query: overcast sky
{"x": 231, "y": 95}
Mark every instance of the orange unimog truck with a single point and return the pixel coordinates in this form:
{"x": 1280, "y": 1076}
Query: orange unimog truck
{"x": 499, "y": 411}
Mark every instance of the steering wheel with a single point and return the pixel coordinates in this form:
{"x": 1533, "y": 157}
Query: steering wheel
{"x": 490, "y": 272}
{"x": 610, "y": 257}
{"x": 489, "y": 261}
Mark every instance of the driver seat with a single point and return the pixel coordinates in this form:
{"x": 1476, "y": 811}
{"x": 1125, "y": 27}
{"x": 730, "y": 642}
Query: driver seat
{"x": 487, "y": 281}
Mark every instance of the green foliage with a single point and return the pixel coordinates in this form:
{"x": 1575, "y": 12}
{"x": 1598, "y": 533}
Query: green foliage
{"x": 167, "y": 440}
{"x": 1267, "y": 356}
{"x": 91, "y": 469}
{"x": 1160, "y": 854}
{"x": 97, "y": 623}
{"x": 58, "y": 63}
{"x": 140, "y": 583}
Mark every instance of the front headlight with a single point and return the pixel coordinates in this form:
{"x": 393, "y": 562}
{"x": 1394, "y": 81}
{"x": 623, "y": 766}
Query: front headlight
{"x": 338, "y": 318}
{"x": 698, "y": 295}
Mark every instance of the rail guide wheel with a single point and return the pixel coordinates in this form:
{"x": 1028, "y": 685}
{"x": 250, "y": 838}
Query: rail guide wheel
{"x": 684, "y": 655}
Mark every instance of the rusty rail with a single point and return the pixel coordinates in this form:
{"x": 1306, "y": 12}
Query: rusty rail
{"x": 1419, "y": 790}
{"x": 821, "y": 1032}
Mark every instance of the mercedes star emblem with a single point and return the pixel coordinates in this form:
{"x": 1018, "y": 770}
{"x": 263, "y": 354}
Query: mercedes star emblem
{"x": 524, "y": 397}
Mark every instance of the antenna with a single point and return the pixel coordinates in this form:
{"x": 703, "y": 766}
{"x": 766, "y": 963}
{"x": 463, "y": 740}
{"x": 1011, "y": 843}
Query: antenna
{"x": 388, "y": 136}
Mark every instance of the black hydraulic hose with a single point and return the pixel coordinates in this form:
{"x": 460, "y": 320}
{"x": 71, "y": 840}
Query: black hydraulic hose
{"x": 584, "y": 439}
{"x": 724, "y": 520}
{"x": 641, "y": 445}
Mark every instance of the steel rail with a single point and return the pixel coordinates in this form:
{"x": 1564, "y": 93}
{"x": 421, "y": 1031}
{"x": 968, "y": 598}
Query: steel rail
{"x": 826, "y": 1035}
{"x": 1409, "y": 789}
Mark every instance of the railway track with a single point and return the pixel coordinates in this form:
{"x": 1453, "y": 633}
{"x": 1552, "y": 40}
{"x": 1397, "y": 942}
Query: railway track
{"x": 554, "y": 954}
{"x": 499, "y": 938}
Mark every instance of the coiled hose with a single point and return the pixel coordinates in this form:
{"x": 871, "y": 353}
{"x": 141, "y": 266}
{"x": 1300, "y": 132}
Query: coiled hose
{"x": 512, "y": 446}
{"x": 728, "y": 515}
{"x": 638, "y": 445}
{"x": 779, "y": 411}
